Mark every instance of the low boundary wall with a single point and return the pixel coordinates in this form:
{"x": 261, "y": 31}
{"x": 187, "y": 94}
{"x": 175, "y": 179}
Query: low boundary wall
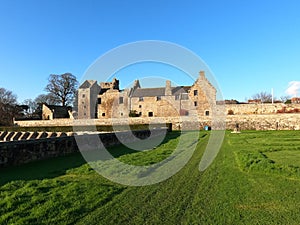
{"x": 24, "y": 151}
{"x": 287, "y": 121}
{"x": 278, "y": 121}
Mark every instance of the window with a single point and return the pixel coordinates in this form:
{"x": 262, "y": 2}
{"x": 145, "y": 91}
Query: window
{"x": 140, "y": 113}
{"x": 177, "y": 97}
{"x": 141, "y": 99}
{"x": 121, "y": 100}
{"x": 184, "y": 96}
{"x": 103, "y": 114}
{"x": 140, "y": 106}
{"x": 82, "y": 102}
{"x": 84, "y": 106}
{"x": 158, "y": 98}
{"x": 121, "y": 114}
{"x": 83, "y": 96}
{"x": 195, "y": 92}
{"x": 150, "y": 114}
{"x": 184, "y": 112}
{"x": 99, "y": 101}
{"x": 195, "y": 103}
{"x": 206, "y": 113}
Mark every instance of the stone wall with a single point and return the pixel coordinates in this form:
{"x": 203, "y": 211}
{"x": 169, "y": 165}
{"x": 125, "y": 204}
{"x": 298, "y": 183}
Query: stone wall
{"x": 87, "y": 99}
{"x": 44, "y": 123}
{"x": 280, "y": 121}
{"x": 265, "y": 108}
{"x": 287, "y": 121}
{"x": 19, "y": 135}
{"x": 147, "y": 102}
{"x": 20, "y": 152}
{"x": 113, "y": 104}
{"x": 47, "y": 113}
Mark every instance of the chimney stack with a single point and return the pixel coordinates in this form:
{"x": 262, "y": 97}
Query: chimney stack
{"x": 168, "y": 90}
{"x": 136, "y": 84}
{"x": 202, "y": 74}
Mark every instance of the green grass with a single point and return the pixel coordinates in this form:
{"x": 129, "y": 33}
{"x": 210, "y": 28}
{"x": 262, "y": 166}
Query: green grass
{"x": 287, "y": 157}
{"x": 269, "y": 152}
{"x": 254, "y": 180}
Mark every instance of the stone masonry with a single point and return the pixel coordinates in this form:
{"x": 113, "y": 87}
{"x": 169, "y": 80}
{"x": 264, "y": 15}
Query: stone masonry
{"x": 279, "y": 121}
{"x": 108, "y": 101}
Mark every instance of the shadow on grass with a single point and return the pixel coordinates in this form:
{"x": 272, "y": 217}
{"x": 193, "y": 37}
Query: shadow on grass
{"x": 54, "y": 167}
{"x": 120, "y": 150}
{"x": 48, "y": 168}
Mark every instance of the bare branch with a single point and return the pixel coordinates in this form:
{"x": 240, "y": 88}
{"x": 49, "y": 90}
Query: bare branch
{"x": 62, "y": 87}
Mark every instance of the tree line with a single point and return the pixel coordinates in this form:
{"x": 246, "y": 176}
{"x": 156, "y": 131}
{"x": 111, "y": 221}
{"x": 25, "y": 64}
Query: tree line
{"x": 262, "y": 97}
{"x": 60, "y": 90}
{"x": 265, "y": 97}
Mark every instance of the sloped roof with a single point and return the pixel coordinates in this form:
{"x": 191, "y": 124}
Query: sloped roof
{"x": 87, "y": 84}
{"x": 152, "y": 92}
{"x": 180, "y": 89}
{"x": 148, "y": 92}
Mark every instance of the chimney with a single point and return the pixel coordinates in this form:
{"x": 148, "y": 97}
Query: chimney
{"x": 168, "y": 90}
{"x": 202, "y": 74}
{"x": 136, "y": 84}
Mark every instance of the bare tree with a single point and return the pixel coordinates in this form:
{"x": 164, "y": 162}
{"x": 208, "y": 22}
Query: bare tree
{"x": 62, "y": 87}
{"x": 31, "y": 106}
{"x": 263, "y": 96}
{"x": 49, "y": 99}
{"x": 8, "y": 106}
{"x": 41, "y": 99}
{"x": 284, "y": 98}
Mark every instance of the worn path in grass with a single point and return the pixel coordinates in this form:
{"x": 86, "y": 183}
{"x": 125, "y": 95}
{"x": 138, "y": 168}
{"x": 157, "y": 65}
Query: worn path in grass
{"x": 162, "y": 203}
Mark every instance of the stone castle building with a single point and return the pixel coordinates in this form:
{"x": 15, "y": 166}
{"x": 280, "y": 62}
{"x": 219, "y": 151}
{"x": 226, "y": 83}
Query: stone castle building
{"x": 108, "y": 101}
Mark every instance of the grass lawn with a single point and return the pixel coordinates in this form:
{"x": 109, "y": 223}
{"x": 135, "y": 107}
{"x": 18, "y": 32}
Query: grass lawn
{"x": 255, "y": 179}
{"x": 287, "y": 157}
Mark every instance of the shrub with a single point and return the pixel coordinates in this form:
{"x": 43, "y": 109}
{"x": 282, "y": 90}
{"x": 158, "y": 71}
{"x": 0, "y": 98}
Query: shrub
{"x": 133, "y": 113}
{"x": 230, "y": 112}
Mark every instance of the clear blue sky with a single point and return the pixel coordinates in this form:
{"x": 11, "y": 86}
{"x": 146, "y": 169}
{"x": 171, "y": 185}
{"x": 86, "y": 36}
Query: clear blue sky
{"x": 250, "y": 46}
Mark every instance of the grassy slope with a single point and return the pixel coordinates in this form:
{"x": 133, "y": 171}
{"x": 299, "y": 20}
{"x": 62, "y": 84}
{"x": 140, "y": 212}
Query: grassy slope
{"x": 248, "y": 183}
{"x": 49, "y": 192}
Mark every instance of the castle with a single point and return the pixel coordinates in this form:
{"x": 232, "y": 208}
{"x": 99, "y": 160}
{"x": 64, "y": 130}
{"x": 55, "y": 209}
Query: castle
{"x": 106, "y": 104}
{"x": 108, "y": 101}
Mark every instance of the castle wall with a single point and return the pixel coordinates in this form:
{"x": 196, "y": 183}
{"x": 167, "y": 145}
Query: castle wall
{"x": 113, "y": 104}
{"x": 155, "y": 107}
{"x": 84, "y": 103}
{"x": 199, "y": 100}
{"x": 168, "y": 105}
{"x": 87, "y": 101}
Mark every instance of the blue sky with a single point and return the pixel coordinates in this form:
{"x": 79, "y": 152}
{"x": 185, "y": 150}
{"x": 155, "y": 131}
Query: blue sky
{"x": 250, "y": 46}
